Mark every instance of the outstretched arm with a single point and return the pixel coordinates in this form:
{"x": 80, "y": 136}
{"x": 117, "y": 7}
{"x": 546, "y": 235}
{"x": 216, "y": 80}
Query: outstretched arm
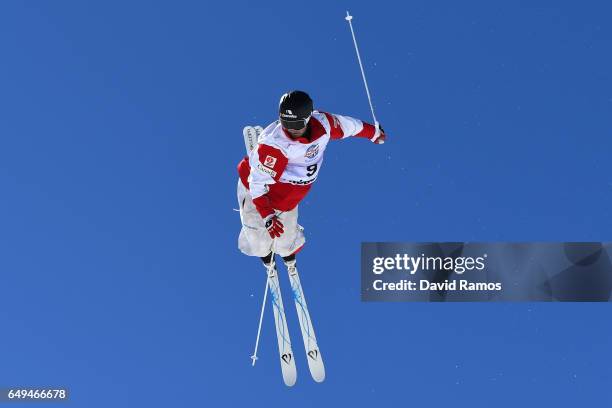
{"x": 346, "y": 126}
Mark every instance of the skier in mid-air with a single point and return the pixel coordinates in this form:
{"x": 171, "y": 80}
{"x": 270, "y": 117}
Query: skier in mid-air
{"x": 279, "y": 172}
{"x": 274, "y": 177}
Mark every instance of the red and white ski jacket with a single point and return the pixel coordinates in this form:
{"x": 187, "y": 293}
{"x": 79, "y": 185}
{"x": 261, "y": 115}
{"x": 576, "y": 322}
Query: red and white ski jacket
{"x": 281, "y": 170}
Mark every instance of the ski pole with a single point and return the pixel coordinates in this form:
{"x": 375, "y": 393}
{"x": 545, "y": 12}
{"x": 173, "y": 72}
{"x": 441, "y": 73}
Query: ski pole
{"x": 263, "y": 307}
{"x": 365, "y": 82}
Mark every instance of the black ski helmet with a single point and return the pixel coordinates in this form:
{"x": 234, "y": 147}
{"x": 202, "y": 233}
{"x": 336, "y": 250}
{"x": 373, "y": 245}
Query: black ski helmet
{"x": 294, "y": 109}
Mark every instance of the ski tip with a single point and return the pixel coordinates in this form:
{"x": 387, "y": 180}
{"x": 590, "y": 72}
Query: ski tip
{"x": 288, "y": 369}
{"x": 317, "y": 371}
{"x": 290, "y": 380}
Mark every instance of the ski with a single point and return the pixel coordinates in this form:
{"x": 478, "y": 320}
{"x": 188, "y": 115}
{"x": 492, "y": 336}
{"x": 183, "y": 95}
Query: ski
{"x": 282, "y": 332}
{"x": 251, "y": 135}
{"x": 313, "y": 354}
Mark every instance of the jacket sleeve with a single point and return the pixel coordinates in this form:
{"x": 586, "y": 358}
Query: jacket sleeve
{"x": 267, "y": 165}
{"x": 346, "y": 126}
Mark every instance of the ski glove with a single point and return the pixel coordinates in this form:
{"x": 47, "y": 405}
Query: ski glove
{"x": 274, "y": 226}
{"x": 380, "y": 138}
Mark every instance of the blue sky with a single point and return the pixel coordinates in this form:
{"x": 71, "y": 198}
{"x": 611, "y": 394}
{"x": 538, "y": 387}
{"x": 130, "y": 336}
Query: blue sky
{"x": 120, "y": 129}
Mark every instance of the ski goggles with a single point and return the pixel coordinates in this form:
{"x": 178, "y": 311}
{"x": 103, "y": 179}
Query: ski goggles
{"x": 295, "y": 124}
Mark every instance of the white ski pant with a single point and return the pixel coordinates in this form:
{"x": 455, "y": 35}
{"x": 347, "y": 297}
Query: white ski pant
{"x": 254, "y": 239}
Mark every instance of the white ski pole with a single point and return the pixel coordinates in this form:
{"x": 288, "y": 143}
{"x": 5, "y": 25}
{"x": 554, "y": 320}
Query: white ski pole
{"x": 365, "y": 82}
{"x": 263, "y": 307}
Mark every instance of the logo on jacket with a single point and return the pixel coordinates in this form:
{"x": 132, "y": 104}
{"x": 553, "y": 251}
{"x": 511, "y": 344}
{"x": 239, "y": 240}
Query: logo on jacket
{"x": 312, "y": 151}
{"x": 266, "y": 170}
{"x": 270, "y": 161}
